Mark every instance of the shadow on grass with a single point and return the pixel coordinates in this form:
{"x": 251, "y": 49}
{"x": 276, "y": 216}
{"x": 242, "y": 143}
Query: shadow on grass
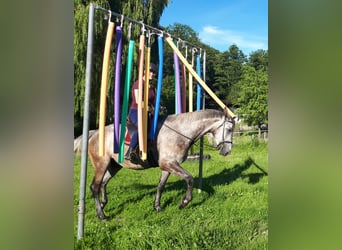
{"x": 229, "y": 175}
{"x": 225, "y": 177}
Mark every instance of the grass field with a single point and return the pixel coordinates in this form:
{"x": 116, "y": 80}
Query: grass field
{"x": 231, "y": 212}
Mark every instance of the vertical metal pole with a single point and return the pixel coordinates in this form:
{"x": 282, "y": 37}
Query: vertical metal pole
{"x": 200, "y": 170}
{"x": 81, "y": 206}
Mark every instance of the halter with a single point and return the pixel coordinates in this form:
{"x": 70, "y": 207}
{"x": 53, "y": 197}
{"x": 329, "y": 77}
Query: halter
{"x": 223, "y": 141}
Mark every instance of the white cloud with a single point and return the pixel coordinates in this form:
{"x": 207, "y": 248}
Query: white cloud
{"x": 221, "y": 39}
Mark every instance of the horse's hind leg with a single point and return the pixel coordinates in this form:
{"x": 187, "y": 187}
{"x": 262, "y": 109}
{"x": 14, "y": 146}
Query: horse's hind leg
{"x": 163, "y": 178}
{"x": 100, "y": 165}
{"x": 105, "y": 180}
{"x": 175, "y": 168}
{"x": 112, "y": 170}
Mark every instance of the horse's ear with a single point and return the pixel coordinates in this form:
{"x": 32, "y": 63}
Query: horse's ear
{"x": 225, "y": 112}
{"x": 228, "y": 113}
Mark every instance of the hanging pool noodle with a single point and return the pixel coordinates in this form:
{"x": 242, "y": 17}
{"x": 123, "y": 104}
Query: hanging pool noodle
{"x": 191, "y": 93}
{"x": 118, "y": 38}
{"x": 125, "y": 99}
{"x": 178, "y": 97}
{"x": 159, "y": 88}
{"x": 140, "y": 92}
{"x": 145, "y": 108}
{"x": 191, "y": 96}
{"x": 104, "y": 83}
{"x": 183, "y": 88}
{"x": 199, "y": 88}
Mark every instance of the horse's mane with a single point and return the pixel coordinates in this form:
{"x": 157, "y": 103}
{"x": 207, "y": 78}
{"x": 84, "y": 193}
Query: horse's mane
{"x": 197, "y": 115}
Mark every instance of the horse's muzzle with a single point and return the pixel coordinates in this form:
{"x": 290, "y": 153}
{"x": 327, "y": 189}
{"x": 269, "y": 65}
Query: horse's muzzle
{"x": 225, "y": 150}
{"x": 224, "y": 153}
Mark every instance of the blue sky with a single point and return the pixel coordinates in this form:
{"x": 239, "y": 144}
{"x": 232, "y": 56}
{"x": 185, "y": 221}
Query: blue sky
{"x": 221, "y": 23}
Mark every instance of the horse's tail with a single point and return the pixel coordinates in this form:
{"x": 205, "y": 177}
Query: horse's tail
{"x": 78, "y": 142}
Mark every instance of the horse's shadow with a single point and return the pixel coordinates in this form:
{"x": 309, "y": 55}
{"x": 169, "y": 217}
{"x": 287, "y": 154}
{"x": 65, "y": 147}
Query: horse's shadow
{"x": 229, "y": 175}
{"x": 225, "y": 177}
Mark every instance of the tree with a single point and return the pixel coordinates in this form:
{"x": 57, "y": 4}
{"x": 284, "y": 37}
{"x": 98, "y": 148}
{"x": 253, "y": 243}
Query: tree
{"x": 211, "y": 62}
{"x": 228, "y": 72}
{"x": 259, "y": 59}
{"x": 184, "y": 32}
{"x": 236, "y": 58}
{"x": 253, "y": 98}
{"x": 221, "y": 78}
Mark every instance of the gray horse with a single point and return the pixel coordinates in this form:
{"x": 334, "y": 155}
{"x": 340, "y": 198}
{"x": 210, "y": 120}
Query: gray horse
{"x": 175, "y": 135}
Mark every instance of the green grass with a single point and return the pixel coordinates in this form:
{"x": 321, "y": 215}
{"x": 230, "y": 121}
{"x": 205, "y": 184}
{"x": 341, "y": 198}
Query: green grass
{"x": 231, "y": 212}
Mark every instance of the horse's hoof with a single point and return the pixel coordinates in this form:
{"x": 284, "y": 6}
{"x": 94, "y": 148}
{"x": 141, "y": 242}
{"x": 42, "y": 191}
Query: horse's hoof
{"x": 158, "y": 209}
{"x": 103, "y": 218}
{"x": 183, "y": 204}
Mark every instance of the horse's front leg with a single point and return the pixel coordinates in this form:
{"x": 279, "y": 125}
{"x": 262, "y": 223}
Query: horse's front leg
{"x": 100, "y": 168}
{"x": 175, "y": 168}
{"x": 95, "y": 188}
{"x": 111, "y": 171}
{"x": 188, "y": 197}
{"x": 163, "y": 178}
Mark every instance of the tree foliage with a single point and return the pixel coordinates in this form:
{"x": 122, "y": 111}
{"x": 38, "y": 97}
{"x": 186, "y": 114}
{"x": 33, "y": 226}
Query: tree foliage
{"x": 228, "y": 73}
{"x": 259, "y": 60}
{"x": 252, "y": 90}
{"x": 253, "y": 99}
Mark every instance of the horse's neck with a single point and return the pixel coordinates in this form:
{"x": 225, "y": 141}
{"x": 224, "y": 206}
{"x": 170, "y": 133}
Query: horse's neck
{"x": 202, "y": 126}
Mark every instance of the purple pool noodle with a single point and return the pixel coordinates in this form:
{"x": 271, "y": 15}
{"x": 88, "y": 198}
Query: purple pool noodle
{"x": 118, "y": 37}
{"x": 178, "y": 87}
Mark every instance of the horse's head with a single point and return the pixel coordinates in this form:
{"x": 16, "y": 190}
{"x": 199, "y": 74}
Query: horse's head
{"x": 223, "y": 135}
